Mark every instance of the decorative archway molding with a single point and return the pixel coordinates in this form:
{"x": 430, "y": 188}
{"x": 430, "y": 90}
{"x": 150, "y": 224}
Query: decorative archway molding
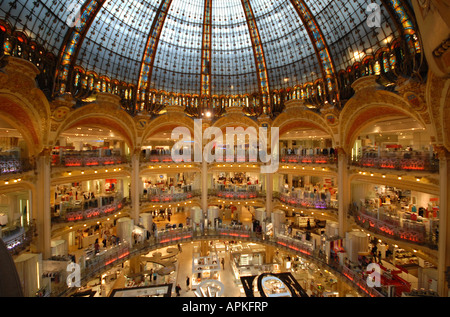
{"x": 297, "y": 115}
{"x": 370, "y": 104}
{"x": 23, "y": 105}
{"x": 105, "y": 112}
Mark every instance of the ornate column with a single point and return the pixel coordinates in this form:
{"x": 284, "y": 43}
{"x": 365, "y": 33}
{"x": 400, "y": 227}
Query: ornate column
{"x": 343, "y": 191}
{"x": 41, "y": 203}
{"x": 444, "y": 220}
{"x": 269, "y": 193}
{"x": 135, "y": 179}
{"x": 204, "y": 180}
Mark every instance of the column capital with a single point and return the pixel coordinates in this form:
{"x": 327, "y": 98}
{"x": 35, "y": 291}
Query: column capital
{"x": 46, "y": 151}
{"x": 442, "y": 152}
{"x": 340, "y": 151}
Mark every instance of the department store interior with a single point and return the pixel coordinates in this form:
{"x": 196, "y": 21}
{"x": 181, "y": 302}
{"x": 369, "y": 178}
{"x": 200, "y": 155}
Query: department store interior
{"x": 94, "y": 203}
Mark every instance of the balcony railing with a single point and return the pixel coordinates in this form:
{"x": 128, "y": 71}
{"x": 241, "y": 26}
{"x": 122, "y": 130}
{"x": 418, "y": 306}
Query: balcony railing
{"x": 308, "y": 203}
{"x": 235, "y": 195}
{"x": 19, "y": 238}
{"x": 400, "y": 162}
{"x": 169, "y": 197}
{"x": 11, "y": 166}
{"x": 115, "y": 255}
{"x": 416, "y": 233}
{"x": 87, "y": 161}
{"x": 79, "y": 213}
{"x": 309, "y": 159}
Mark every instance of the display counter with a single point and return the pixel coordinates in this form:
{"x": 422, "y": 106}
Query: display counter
{"x": 205, "y": 268}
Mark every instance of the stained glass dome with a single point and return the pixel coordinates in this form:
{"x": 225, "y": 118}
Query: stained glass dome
{"x": 213, "y": 47}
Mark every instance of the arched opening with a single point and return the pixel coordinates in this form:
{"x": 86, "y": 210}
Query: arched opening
{"x": 167, "y": 184}
{"x": 398, "y": 143}
{"x": 92, "y": 154}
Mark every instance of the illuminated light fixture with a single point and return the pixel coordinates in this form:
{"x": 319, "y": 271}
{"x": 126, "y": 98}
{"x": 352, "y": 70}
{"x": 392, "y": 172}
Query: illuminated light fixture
{"x": 82, "y": 172}
{"x": 208, "y": 114}
{"x": 6, "y": 182}
{"x": 418, "y": 179}
{"x": 15, "y": 181}
{"x": 85, "y": 225}
{"x": 19, "y": 179}
{"x": 384, "y": 176}
{"x": 70, "y": 173}
{"x": 114, "y": 170}
{"x": 360, "y": 172}
{"x": 303, "y": 167}
{"x": 323, "y": 168}
{"x": 371, "y": 174}
{"x": 399, "y": 177}
{"x": 95, "y": 172}
{"x": 106, "y": 171}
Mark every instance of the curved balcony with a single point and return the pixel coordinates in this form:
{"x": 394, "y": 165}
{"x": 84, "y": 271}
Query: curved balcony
{"x": 88, "y": 161}
{"x": 308, "y": 203}
{"x": 398, "y": 162}
{"x": 235, "y": 195}
{"x": 18, "y": 238}
{"x": 308, "y": 159}
{"x": 117, "y": 254}
{"x": 169, "y": 197}
{"x": 11, "y": 166}
{"x": 399, "y": 229}
{"x": 163, "y": 157}
{"x": 88, "y": 210}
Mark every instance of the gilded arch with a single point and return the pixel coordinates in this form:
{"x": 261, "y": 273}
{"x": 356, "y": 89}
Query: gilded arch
{"x": 167, "y": 121}
{"x": 294, "y": 116}
{"x": 369, "y": 106}
{"x": 102, "y": 114}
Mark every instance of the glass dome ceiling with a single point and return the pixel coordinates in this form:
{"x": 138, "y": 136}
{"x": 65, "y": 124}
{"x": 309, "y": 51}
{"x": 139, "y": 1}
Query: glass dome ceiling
{"x": 271, "y": 38}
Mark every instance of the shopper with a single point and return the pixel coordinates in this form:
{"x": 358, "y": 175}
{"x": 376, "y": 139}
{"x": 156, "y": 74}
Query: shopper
{"x": 179, "y": 248}
{"x": 223, "y": 263}
{"x": 178, "y": 289}
{"x": 96, "y": 246}
{"x": 187, "y": 282}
